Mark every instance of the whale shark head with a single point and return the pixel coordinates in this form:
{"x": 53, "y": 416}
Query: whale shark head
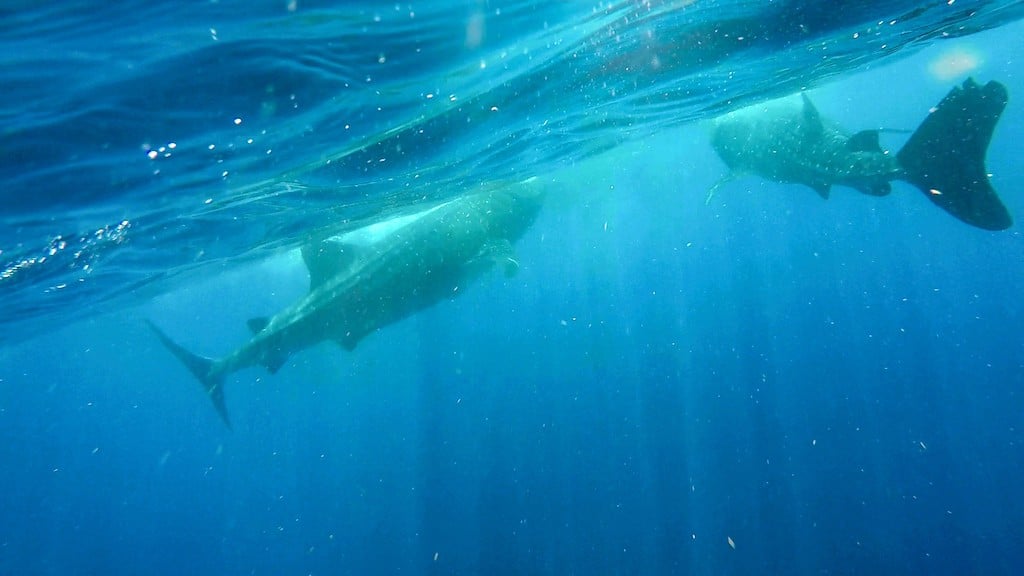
{"x": 515, "y": 207}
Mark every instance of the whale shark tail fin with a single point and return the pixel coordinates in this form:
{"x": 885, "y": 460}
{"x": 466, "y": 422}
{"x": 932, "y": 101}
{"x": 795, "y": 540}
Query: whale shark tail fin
{"x": 201, "y": 368}
{"x": 945, "y": 156}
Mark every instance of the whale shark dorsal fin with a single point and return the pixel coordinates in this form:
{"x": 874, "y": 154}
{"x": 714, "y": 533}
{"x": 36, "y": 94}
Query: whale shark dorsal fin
{"x": 864, "y": 141}
{"x": 812, "y": 119}
{"x": 257, "y": 324}
{"x": 327, "y": 259}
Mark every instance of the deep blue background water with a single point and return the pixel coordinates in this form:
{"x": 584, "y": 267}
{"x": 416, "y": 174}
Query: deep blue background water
{"x": 834, "y": 386}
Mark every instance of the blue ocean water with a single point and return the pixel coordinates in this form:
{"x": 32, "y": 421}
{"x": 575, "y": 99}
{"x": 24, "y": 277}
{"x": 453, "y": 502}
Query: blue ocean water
{"x": 762, "y": 382}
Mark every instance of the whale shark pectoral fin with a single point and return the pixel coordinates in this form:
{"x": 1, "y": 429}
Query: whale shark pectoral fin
{"x": 273, "y": 361}
{"x": 875, "y": 188}
{"x": 346, "y": 341}
{"x": 499, "y": 252}
{"x": 511, "y": 267}
{"x": 812, "y": 119}
{"x": 326, "y": 259}
{"x": 864, "y": 141}
{"x": 822, "y": 190}
{"x": 721, "y": 182}
{"x": 256, "y": 325}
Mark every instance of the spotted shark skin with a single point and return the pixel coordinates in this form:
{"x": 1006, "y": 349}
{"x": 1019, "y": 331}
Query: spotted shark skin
{"x": 373, "y": 278}
{"x": 790, "y": 142}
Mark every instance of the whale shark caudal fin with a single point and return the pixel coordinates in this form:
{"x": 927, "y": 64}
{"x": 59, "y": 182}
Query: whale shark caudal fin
{"x": 945, "y": 157}
{"x": 200, "y": 367}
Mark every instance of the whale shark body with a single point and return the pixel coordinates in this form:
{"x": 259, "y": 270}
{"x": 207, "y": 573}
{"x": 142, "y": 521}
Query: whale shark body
{"x": 379, "y": 275}
{"x": 944, "y": 157}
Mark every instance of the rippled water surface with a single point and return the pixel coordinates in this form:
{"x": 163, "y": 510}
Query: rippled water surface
{"x": 143, "y": 140}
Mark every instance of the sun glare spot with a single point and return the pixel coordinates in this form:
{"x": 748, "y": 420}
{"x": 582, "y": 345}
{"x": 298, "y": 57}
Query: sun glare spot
{"x": 954, "y": 63}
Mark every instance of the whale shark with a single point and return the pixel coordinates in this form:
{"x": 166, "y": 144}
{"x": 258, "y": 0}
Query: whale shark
{"x": 944, "y": 157}
{"x": 379, "y": 275}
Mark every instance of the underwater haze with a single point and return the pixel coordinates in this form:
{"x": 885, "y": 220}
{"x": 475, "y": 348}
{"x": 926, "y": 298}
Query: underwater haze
{"x": 754, "y": 381}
